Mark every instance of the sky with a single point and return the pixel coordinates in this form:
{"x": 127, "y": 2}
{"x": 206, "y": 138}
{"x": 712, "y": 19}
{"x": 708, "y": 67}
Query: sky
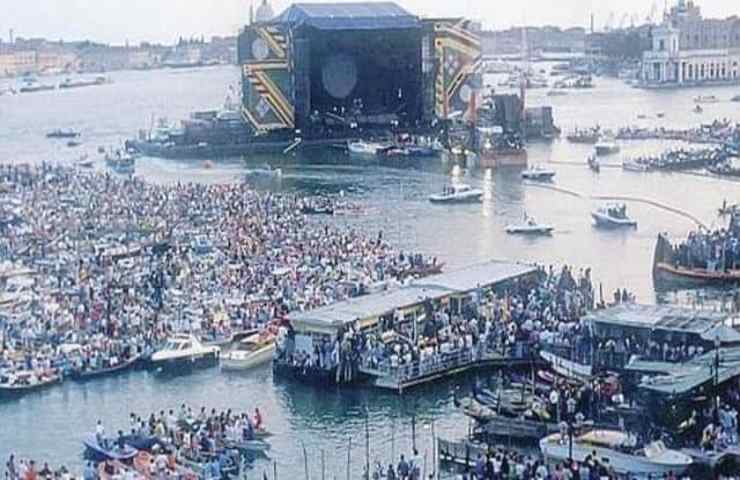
{"x": 118, "y": 21}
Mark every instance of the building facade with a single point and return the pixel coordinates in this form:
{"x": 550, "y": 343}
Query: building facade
{"x": 689, "y": 50}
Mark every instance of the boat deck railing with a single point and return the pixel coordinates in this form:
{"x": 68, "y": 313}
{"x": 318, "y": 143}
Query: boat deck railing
{"x": 404, "y": 375}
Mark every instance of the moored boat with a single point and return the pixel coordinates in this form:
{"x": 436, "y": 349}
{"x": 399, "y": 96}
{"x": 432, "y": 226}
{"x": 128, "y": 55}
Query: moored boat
{"x": 18, "y": 383}
{"x": 635, "y": 166}
{"x": 185, "y": 351}
{"x": 114, "y": 367}
{"x": 613, "y": 216}
{"x": 457, "y": 194}
{"x": 251, "y": 352}
{"x": 621, "y": 450}
{"x": 668, "y": 271}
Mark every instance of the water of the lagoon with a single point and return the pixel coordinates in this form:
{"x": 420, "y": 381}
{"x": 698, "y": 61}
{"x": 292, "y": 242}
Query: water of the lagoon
{"x": 49, "y": 426}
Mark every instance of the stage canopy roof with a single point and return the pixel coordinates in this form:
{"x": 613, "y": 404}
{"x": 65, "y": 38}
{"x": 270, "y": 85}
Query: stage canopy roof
{"x": 349, "y": 16}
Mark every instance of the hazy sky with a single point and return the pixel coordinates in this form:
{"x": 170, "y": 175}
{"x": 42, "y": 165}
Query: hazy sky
{"x": 115, "y": 21}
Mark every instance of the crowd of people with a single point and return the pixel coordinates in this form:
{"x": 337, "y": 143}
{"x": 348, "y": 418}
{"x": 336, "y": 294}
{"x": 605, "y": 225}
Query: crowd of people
{"x": 716, "y": 250}
{"x": 97, "y": 270}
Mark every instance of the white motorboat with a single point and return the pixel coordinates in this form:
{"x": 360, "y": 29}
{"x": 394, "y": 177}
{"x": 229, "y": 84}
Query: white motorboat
{"x": 529, "y": 227}
{"x": 362, "y": 148}
{"x": 635, "y": 166}
{"x": 538, "y": 173}
{"x": 251, "y": 352}
{"x": 185, "y": 351}
{"x": 620, "y": 449}
{"x": 606, "y": 146}
{"x": 457, "y": 194}
{"x": 613, "y": 216}
{"x": 706, "y": 99}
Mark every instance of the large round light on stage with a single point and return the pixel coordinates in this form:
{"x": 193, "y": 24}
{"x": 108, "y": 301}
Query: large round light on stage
{"x": 339, "y": 75}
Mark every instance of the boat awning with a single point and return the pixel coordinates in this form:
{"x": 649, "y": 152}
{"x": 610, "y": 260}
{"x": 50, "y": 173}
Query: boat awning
{"x": 686, "y": 377}
{"x": 657, "y": 317}
{"x": 478, "y": 276}
{"x": 435, "y": 287}
{"x": 349, "y": 16}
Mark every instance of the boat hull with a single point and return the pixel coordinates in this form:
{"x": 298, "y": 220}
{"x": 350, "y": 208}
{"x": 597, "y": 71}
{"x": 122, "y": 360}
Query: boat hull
{"x": 456, "y": 200}
{"x": 667, "y": 274}
{"x": 192, "y": 362}
{"x": 622, "y": 463}
{"x": 604, "y": 221}
{"x": 258, "y": 358}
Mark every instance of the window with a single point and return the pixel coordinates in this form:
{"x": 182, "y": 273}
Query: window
{"x": 661, "y": 45}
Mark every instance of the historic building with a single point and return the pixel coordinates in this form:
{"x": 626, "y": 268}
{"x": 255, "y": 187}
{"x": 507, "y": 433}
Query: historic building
{"x": 690, "y": 50}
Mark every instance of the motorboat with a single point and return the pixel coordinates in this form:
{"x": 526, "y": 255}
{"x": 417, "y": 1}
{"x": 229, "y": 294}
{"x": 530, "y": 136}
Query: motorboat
{"x": 613, "y": 216}
{"x": 106, "y": 449}
{"x": 538, "y": 174}
{"x": 736, "y": 98}
{"x": 251, "y": 352}
{"x": 594, "y": 164}
{"x": 606, "y": 146}
{"x": 185, "y": 351}
{"x": 84, "y": 162}
{"x": 635, "y": 166}
{"x": 14, "y": 384}
{"x": 121, "y": 162}
{"x": 265, "y": 171}
{"x": 457, "y": 194}
{"x": 529, "y": 227}
{"x": 60, "y": 133}
{"x": 73, "y": 143}
{"x": 362, "y": 148}
{"x": 620, "y": 448}
{"x": 706, "y": 99}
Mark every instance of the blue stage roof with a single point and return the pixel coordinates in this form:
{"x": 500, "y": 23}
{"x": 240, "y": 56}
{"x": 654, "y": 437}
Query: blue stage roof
{"x": 349, "y": 16}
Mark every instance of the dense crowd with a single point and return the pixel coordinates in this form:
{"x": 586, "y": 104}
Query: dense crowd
{"x": 506, "y": 322}
{"x": 715, "y": 251}
{"x": 98, "y": 270}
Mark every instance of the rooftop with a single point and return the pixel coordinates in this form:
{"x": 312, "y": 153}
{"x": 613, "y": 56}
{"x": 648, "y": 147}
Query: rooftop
{"x": 349, "y": 16}
{"x": 658, "y": 317}
{"x": 433, "y": 287}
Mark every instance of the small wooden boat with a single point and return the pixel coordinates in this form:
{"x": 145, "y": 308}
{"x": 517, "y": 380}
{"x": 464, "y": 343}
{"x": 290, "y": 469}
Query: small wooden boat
{"x": 89, "y": 374}
{"x": 16, "y": 384}
{"x": 60, "y": 133}
{"x": 706, "y": 99}
{"x": 109, "y": 450}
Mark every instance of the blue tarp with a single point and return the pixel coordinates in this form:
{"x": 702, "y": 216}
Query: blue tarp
{"x": 349, "y": 16}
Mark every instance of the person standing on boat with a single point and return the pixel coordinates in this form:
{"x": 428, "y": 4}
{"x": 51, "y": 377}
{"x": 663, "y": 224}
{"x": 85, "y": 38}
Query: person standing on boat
{"x": 257, "y": 419}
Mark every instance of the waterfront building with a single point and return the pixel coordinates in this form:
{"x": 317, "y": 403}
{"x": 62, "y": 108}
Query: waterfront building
{"x": 688, "y": 50}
